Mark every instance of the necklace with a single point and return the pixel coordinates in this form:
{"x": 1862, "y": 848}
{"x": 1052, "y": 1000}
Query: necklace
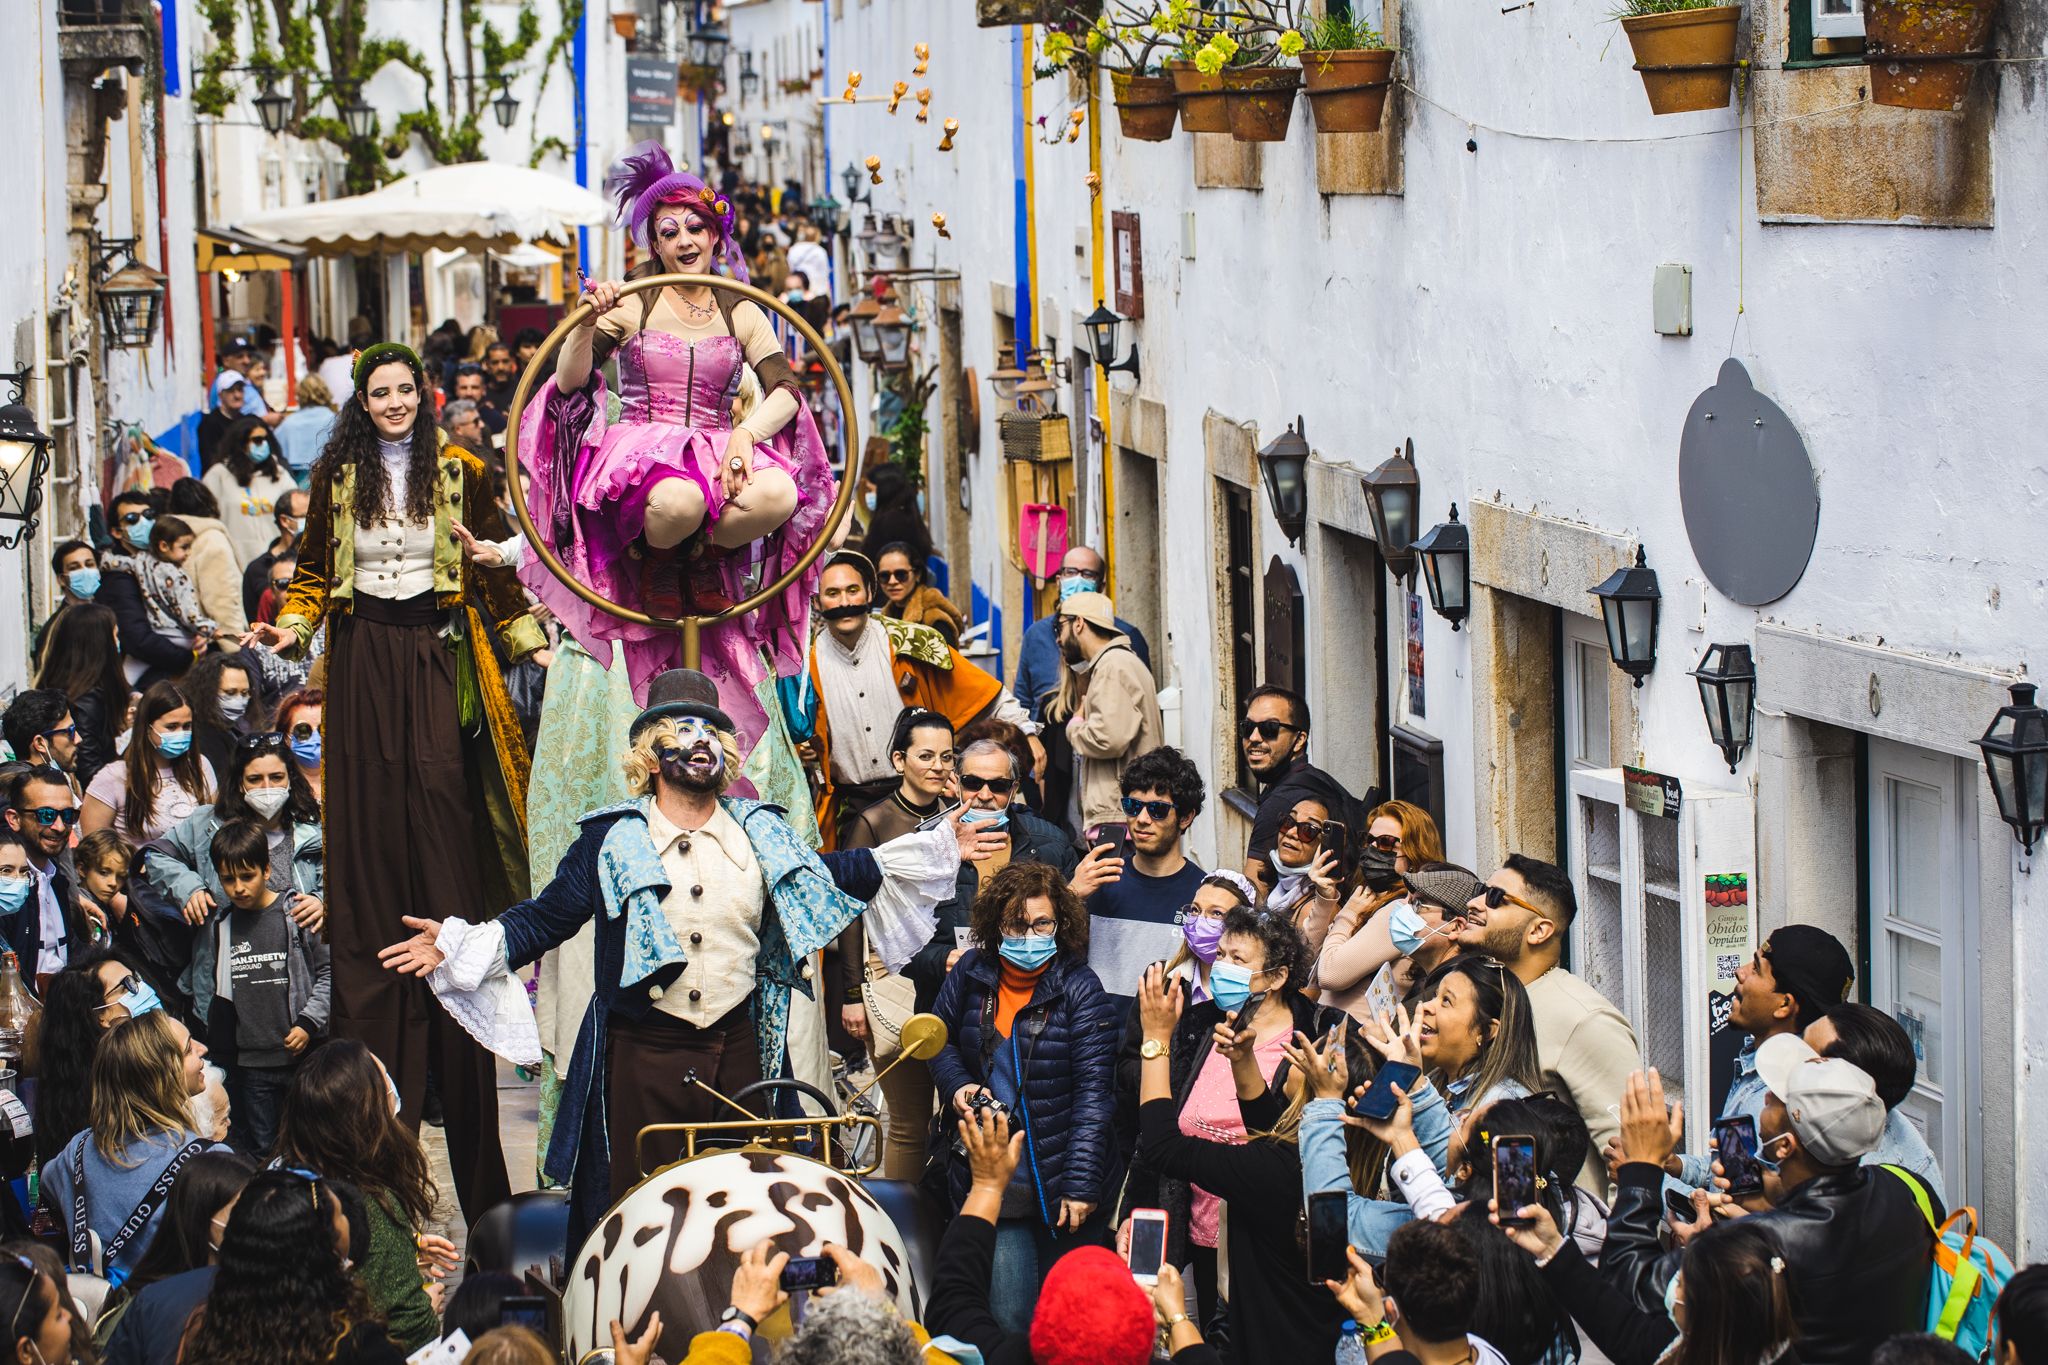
{"x": 696, "y": 312}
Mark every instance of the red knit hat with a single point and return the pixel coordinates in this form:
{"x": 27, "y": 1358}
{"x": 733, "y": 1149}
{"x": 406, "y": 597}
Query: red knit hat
{"x": 1091, "y": 1312}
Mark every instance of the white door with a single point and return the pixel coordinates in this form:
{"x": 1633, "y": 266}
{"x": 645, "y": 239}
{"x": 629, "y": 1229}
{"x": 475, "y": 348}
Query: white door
{"x": 1923, "y": 939}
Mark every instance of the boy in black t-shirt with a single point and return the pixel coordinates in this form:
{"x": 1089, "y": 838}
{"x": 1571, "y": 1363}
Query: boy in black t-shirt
{"x": 271, "y": 986}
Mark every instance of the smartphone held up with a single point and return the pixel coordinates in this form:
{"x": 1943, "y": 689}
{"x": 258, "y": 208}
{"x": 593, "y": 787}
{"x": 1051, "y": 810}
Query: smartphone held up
{"x": 1514, "y": 1178}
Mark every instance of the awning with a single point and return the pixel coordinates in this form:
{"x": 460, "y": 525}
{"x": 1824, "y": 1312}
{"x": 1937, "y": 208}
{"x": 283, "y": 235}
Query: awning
{"x": 224, "y": 249}
{"x": 474, "y": 206}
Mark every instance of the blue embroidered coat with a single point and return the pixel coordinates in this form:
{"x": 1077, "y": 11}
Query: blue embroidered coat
{"x": 613, "y": 875}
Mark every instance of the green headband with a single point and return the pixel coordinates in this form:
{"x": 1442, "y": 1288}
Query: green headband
{"x": 370, "y": 357}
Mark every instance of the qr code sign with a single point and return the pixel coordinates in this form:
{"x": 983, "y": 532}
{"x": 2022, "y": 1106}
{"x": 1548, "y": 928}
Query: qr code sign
{"x": 1725, "y": 965}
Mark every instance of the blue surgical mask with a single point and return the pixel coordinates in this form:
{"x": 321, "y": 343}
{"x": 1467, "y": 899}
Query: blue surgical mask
{"x": 260, "y": 451}
{"x": 307, "y": 751}
{"x": 1671, "y": 1301}
{"x": 920, "y": 502}
{"x": 1029, "y": 952}
{"x": 14, "y": 893}
{"x": 994, "y": 819}
{"x": 138, "y": 534}
{"x": 140, "y": 1001}
{"x": 867, "y": 500}
{"x": 1409, "y": 931}
{"x": 1230, "y": 985}
{"x": 1070, "y": 586}
{"x": 83, "y": 582}
{"x": 174, "y": 743}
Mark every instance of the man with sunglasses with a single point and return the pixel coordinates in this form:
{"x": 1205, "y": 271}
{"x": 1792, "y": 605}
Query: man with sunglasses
{"x": 1583, "y": 1043}
{"x": 151, "y": 656}
{"x": 469, "y": 388}
{"x": 1038, "y": 656}
{"x": 38, "y": 728}
{"x": 1135, "y": 915}
{"x": 50, "y": 928}
{"x": 1273, "y": 736}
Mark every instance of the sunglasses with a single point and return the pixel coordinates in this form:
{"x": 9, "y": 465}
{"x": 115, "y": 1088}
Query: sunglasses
{"x": 1001, "y": 786}
{"x": 266, "y": 739}
{"x": 28, "y": 1292}
{"x": 127, "y": 985}
{"x": 68, "y": 731}
{"x": 1307, "y": 829}
{"x": 469, "y": 367}
{"x": 47, "y": 816}
{"x": 134, "y": 518}
{"x": 1268, "y": 730}
{"x": 1158, "y": 810}
{"x": 303, "y": 731}
{"x": 1386, "y": 843}
{"x": 280, "y": 585}
{"x": 1497, "y": 896}
{"x": 895, "y": 575}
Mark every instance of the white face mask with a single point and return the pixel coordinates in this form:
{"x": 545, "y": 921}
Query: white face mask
{"x": 234, "y": 707}
{"x": 267, "y": 801}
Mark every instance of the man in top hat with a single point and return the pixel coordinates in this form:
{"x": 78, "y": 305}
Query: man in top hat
{"x": 866, "y": 668}
{"x": 707, "y": 908}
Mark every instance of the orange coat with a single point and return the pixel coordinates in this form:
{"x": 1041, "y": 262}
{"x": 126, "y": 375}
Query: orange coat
{"x": 929, "y": 673}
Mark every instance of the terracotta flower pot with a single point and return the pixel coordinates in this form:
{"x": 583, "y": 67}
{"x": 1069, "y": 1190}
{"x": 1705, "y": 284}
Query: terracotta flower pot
{"x": 1202, "y": 106}
{"x": 1261, "y": 101}
{"x": 1347, "y": 90}
{"x": 626, "y": 23}
{"x": 1667, "y": 44}
{"x": 1893, "y": 29}
{"x": 1145, "y": 108}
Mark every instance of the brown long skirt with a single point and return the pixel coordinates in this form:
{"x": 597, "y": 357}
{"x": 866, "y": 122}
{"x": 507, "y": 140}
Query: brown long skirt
{"x": 648, "y": 1060}
{"x": 405, "y": 822}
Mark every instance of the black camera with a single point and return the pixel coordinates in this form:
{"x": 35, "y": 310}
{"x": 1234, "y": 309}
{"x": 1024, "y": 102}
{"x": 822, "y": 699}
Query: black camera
{"x": 982, "y": 1100}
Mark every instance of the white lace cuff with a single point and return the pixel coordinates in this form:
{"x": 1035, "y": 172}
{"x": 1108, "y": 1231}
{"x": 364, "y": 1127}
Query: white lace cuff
{"x": 918, "y": 872}
{"x": 475, "y": 987}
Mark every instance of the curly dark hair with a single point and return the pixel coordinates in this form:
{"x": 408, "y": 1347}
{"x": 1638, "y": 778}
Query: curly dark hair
{"x": 281, "y": 1296}
{"x": 352, "y": 444}
{"x": 1168, "y": 770}
{"x": 233, "y": 804}
{"x": 337, "y": 1120}
{"x": 1014, "y": 885}
{"x": 201, "y": 686}
{"x": 71, "y": 1026}
{"x": 1286, "y": 949}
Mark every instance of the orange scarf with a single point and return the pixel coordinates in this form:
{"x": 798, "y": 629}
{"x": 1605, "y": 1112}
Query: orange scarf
{"x": 1014, "y": 994}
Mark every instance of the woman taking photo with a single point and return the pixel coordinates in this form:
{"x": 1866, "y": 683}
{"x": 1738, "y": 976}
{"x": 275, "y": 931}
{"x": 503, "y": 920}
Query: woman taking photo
{"x": 246, "y": 483}
{"x": 299, "y": 715}
{"x": 226, "y": 706}
{"x": 82, "y": 659}
{"x": 1028, "y": 1026}
{"x": 144, "y": 1076}
{"x": 338, "y": 1120}
{"x": 908, "y": 595}
{"x": 283, "y": 1294}
{"x": 158, "y": 782}
{"x": 874, "y": 1002}
{"x": 425, "y": 786}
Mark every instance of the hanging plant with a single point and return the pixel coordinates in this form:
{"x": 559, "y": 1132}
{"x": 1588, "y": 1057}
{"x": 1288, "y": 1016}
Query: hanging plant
{"x": 1348, "y": 70}
{"x": 1685, "y": 51}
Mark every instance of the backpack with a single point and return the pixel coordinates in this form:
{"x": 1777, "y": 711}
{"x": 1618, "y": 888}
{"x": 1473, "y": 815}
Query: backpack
{"x": 1967, "y": 1275}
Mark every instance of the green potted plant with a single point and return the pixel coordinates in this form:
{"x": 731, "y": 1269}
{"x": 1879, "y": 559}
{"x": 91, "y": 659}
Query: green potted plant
{"x": 1197, "y": 81}
{"x": 1918, "y": 29}
{"x": 1252, "y": 54}
{"x": 1348, "y": 69}
{"x": 1685, "y": 51}
{"x": 1123, "y": 41}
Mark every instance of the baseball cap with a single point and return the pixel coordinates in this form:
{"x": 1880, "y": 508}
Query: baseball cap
{"x": 1094, "y": 608}
{"x": 1810, "y": 965}
{"x": 1831, "y": 1104}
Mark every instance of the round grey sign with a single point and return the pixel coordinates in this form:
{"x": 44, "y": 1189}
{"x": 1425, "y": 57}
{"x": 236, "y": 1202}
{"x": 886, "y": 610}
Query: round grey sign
{"x": 1747, "y": 490}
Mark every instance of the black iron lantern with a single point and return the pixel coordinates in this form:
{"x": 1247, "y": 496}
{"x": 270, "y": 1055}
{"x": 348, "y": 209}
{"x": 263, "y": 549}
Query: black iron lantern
{"x": 856, "y": 181}
{"x": 131, "y": 300}
{"x": 824, "y": 214}
{"x": 273, "y": 107}
{"x": 1283, "y": 465}
{"x": 24, "y": 459}
{"x": 1102, "y": 325}
{"x": 2016, "y": 759}
{"x": 708, "y": 47}
{"x": 359, "y": 117}
{"x": 1446, "y": 558}
{"x": 892, "y": 331}
{"x": 1628, "y": 604}
{"x": 1727, "y": 679}
{"x": 1393, "y": 492}
{"x": 505, "y": 106}
{"x": 867, "y": 342}
{"x": 750, "y": 79}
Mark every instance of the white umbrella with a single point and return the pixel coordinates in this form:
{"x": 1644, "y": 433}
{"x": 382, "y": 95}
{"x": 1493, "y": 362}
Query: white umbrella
{"x": 473, "y": 206}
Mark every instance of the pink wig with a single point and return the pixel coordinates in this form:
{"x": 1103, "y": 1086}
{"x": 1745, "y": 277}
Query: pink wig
{"x": 644, "y": 179}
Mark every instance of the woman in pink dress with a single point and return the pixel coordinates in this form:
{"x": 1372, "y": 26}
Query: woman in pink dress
{"x": 674, "y": 506}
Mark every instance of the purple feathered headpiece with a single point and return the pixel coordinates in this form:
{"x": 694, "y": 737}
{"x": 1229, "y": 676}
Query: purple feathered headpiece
{"x": 644, "y": 179}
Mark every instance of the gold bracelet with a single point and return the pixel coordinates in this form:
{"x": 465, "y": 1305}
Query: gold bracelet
{"x": 1379, "y": 1332}
{"x": 1176, "y": 1320}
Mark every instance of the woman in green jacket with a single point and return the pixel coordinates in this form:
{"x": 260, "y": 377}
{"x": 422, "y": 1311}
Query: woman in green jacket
{"x": 341, "y": 1119}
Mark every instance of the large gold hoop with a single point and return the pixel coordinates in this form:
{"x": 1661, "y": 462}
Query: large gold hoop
{"x": 690, "y": 626}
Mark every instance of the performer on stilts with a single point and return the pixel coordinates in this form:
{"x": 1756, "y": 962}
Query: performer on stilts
{"x": 426, "y": 771}
{"x": 706, "y": 909}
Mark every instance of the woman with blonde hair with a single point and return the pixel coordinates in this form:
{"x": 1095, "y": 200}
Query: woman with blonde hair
{"x": 109, "y": 1182}
{"x": 303, "y": 432}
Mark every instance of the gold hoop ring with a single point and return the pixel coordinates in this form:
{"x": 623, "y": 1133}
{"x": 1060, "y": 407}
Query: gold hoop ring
{"x": 516, "y": 480}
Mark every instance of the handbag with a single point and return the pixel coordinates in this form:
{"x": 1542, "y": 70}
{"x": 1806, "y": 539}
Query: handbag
{"x": 890, "y": 1000}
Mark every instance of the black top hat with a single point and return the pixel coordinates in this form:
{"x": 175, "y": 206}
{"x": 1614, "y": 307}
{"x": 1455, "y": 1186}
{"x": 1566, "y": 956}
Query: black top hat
{"x": 681, "y": 692}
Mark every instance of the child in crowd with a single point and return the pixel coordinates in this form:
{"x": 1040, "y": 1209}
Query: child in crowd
{"x": 102, "y": 862}
{"x": 172, "y": 601}
{"x": 270, "y": 985}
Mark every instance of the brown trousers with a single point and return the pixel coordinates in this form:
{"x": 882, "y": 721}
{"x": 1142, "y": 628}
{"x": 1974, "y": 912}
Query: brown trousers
{"x": 648, "y": 1061}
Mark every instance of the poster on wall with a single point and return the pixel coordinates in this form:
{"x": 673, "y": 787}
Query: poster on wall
{"x": 1413, "y": 616}
{"x": 1731, "y": 936}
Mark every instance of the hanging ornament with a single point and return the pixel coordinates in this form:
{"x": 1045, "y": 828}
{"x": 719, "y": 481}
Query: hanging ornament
{"x": 924, "y": 105}
{"x": 952, "y": 126}
{"x": 896, "y": 96}
{"x": 874, "y": 164}
{"x": 1074, "y": 121}
{"x": 852, "y": 87}
{"x": 1094, "y": 183}
{"x": 924, "y": 58}
{"x": 939, "y": 222}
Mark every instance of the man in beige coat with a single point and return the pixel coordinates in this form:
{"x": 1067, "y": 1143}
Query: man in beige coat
{"x": 1112, "y": 705}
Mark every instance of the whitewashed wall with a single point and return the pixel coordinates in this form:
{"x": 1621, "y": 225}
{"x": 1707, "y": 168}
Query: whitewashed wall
{"x": 785, "y": 37}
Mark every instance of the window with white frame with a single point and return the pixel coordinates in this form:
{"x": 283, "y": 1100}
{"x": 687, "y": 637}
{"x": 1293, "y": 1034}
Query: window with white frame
{"x": 1837, "y": 18}
{"x": 1584, "y": 699}
{"x": 1921, "y": 938}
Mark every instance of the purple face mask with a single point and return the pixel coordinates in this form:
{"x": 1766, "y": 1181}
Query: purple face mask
{"x": 1202, "y": 934}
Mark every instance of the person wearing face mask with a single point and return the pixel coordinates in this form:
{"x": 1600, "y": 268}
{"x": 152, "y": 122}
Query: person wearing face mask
{"x": 1397, "y": 950}
{"x": 1038, "y": 657}
{"x": 1855, "y": 1242}
{"x": 1029, "y": 1028}
{"x": 180, "y": 1260}
{"x": 227, "y": 704}
{"x": 80, "y": 1004}
{"x": 247, "y": 483}
{"x": 703, "y": 963}
{"x": 39, "y": 1313}
{"x": 299, "y": 717}
{"x": 149, "y": 651}
{"x": 339, "y": 1119}
{"x": 75, "y": 566}
{"x": 160, "y": 780}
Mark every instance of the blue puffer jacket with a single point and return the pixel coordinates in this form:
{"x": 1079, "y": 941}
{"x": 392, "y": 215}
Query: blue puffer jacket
{"x": 1069, "y": 1035}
